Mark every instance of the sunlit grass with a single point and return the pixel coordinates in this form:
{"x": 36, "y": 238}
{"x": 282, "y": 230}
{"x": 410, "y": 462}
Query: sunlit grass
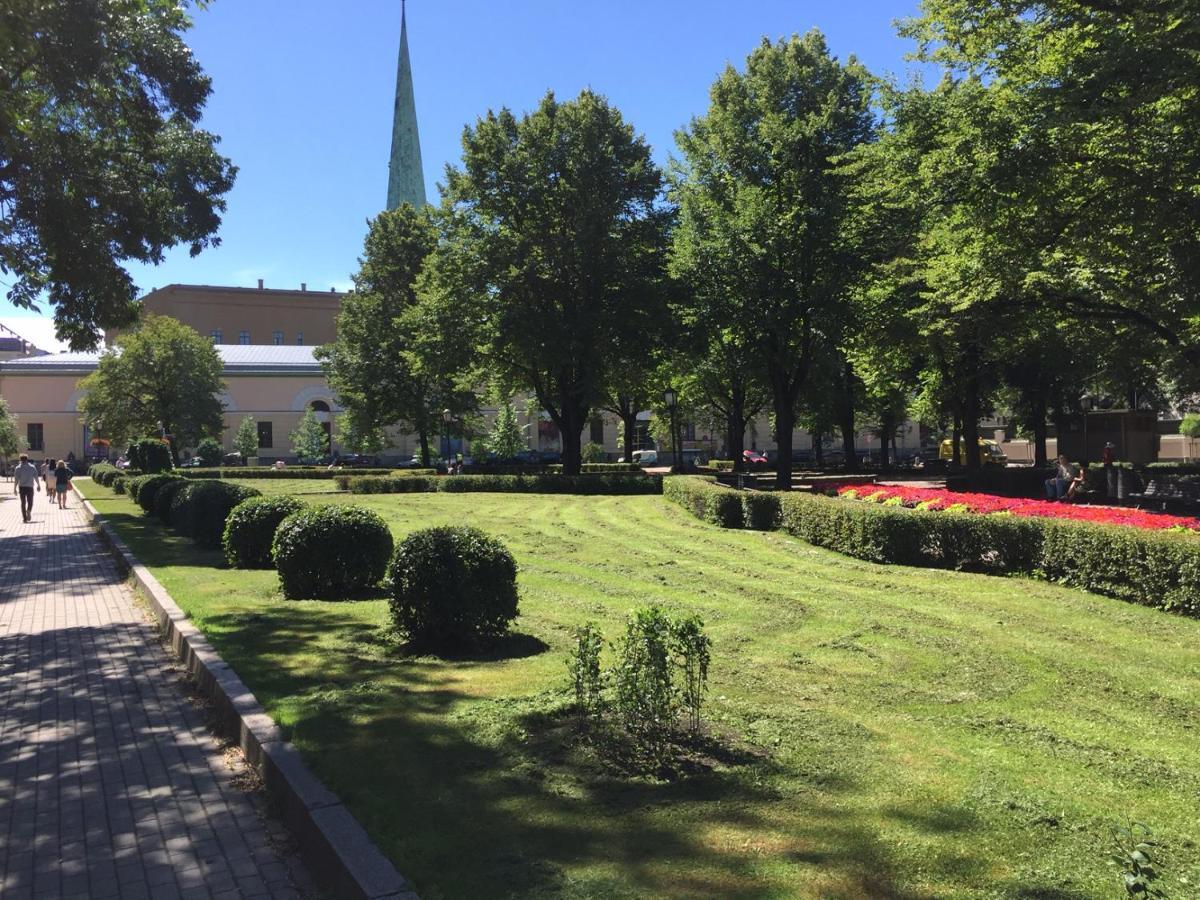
{"x": 923, "y": 733}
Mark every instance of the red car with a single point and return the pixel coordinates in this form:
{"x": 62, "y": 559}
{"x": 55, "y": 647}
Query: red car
{"x": 753, "y": 459}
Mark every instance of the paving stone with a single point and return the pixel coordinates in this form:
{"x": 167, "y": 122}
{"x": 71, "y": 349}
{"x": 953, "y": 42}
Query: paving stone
{"x": 109, "y": 780}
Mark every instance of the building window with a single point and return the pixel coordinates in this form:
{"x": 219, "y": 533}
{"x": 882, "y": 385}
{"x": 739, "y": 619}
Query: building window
{"x": 689, "y": 431}
{"x": 34, "y": 437}
{"x": 299, "y": 337}
{"x": 277, "y": 337}
{"x": 597, "y": 430}
{"x": 265, "y": 438}
{"x": 243, "y": 338}
{"x": 215, "y": 334}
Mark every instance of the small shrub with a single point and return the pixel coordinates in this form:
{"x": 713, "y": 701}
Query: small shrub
{"x": 150, "y": 455}
{"x": 330, "y": 552}
{"x": 164, "y": 497}
{"x": 1135, "y": 852}
{"x": 147, "y": 489}
{"x": 200, "y": 509}
{"x": 210, "y": 452}
{"x": 583, "y": 663}
{"x": 103, "y": 473}
{"x": 593, "y": 453}
{"x": 250, "y": 530}
{"x": 118, "y": 484}
{"x": 693, "y": 648}
{"x": 645, "y": 695}
{"x": 452, "y": 587}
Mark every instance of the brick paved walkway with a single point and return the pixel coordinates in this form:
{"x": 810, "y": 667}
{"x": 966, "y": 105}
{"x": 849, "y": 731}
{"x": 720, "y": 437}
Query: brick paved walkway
{"x": 110, "y": 785}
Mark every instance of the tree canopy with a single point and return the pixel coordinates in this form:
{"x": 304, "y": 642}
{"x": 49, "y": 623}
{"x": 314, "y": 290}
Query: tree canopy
{"x": 162, "y": 378}
{"x": 101, "y": 157}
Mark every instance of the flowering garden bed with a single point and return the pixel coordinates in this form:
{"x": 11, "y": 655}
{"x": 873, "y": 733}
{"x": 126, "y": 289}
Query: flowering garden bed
{"x": 932, "y": 499}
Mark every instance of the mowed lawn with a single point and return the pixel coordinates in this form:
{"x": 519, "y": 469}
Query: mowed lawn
{"x": 908, "y": 733}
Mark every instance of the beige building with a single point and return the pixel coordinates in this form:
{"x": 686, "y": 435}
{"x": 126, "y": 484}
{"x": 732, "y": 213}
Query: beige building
{"x": 249, "y": 316}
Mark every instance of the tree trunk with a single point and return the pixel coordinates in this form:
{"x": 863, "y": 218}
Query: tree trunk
{"x": 849, "y": 451}
{"x": 818, "y": 448}
{"x": 971, "y": 412}
{"x": 956, "y": 437}
{"x": 571, "y": 430}
{"x": 629, "y": 426}
{"x": 886, "y": 430}
{"x": 735, "y": 439}
{"x": 423, "y": 437}
{"x": 785, "y": 420}
{"x": 1040, "y": 457}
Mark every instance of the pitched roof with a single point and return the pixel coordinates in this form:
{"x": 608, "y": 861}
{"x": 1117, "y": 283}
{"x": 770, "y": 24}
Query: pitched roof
{"x": 237, "y": 359}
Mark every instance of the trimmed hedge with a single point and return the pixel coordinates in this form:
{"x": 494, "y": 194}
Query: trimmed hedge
{"x": 103, "y": 473}
{"x": 118, "y": 484}
{"x": 551, "y": 469}
{"x": 248, "y": 472}
{"x": 515, "y": 484}
{"x": 705, "y": 499}
{"x": 1160, "y": 569}
{"x": 151, "y": 454}
{"x": 200, "y": 509}
{"x": 164, "y": 498}
{"x": 343, "y": 481}
{"x": 331, "y": 552}
{"x": 250, "y": 530}
{"x": 148, "y": 489}
{"x": 452, "y": 587}
{"x": 760, "y": 510}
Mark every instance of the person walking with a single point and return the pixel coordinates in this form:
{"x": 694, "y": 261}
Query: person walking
{"x": 62, "y": 481}
{"x": 48, "y": 477}
{"x": 25, "y": 479}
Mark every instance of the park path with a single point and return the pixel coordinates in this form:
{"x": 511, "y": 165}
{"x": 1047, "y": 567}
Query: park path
{"x": 110, "y": 785}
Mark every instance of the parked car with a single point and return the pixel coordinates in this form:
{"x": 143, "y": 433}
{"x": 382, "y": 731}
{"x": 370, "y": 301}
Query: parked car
{"x": 357, "y": 461}
{"x": 754, "y": 460}
{"x": 233, "y": 459}
{"x": 990, "y": 453}
{"x": 645, "y": 458}
{"x": 194, "y": 463}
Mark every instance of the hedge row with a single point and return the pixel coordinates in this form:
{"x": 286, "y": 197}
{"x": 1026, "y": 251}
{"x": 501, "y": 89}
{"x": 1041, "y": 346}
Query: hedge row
{"x": 519, "y": 484}
{"x": 555, "y": 469}
{"x": 106, "y": 473}
{"x": 245, "y": 472}
{"x": 1153, "y": 568}
{"x": 196, "y": 509}
{"x": 343, "y": 480}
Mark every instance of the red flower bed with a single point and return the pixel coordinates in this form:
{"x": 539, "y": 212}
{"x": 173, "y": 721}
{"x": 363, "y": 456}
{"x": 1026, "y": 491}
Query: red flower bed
{"x": 928, "y": 498}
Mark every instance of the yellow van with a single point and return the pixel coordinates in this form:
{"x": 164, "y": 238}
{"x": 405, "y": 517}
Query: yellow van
{"x": 990, "y": 453}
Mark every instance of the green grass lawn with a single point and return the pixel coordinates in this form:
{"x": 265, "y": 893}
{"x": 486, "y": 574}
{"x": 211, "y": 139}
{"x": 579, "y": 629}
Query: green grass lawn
{"x": 916, "y": 733}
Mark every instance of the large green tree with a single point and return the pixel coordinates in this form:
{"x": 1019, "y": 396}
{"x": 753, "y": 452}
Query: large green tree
{"x": 393, "y": 362}
{"x": 554, "y": 251}
{"x": 101, "y": 157}
{"x": 165, "y": 376}
{"x": 762, "y": 204}
{"x": 10, "y": 441}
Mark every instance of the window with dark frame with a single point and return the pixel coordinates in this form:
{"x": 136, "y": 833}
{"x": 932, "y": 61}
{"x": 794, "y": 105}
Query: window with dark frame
{"x": 265, "y": 438}
{"x": 34, "y": 436}
{"x": 597, "y": 430}
{"x": 244, "y": 338}
{"x": 278, "y": 338}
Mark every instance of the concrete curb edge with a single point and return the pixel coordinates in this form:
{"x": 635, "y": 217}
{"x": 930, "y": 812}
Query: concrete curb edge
{"x": 341, "y": 856}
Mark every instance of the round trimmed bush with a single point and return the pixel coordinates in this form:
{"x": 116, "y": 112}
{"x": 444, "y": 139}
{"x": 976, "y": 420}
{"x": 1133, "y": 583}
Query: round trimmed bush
{"x": 147, "y": 488}
{"x": 331, "y": 552}
{"x": 118, "y": 484}
{"x": 452, "y": 587}
{"x": 200, "y": 509}
{"x": 165, "y": 496}
{"x": 250, "y": 530}
{"x": 103, "y": 473}
{"x": 150, "y": 454}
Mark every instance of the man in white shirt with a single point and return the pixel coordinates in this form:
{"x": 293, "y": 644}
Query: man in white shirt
{"x": 25, "y": 480}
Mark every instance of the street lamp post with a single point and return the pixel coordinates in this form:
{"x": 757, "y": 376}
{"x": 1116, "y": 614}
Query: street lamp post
{"x": 672, "y": 401}
{"x": 446, "y": 418}
{"x": 1086, "y": 402}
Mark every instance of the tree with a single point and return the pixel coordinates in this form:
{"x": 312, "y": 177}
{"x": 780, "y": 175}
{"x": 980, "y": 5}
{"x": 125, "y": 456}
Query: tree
{"x": 10, "y": 441}
{"x": 309, "y": 441}
{"x": 245, "y": 439}
{"x": 101, "y": 159}
{"x": 209, "y": 451}
{"x": 762, "y": 203}
{"x": 395, "y": 362}
{"x": 506, "y": 439}
{"x": 162, "y": 378}
{"x": 358, "y": 435}
{"x": 553, "y": 248}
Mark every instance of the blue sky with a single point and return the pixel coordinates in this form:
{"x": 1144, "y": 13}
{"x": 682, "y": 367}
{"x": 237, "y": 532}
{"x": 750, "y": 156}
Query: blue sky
{"x": 302, "y": 95}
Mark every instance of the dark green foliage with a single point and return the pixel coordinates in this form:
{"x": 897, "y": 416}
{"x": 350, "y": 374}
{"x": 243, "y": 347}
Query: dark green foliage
{"x": 200, "y": 509}
{"x": 583, "y": 662}
{"x": 149, "y": 455}
{"x": 523, "y": 469}
{"x": 250, "y": 530}
{"x": 526, "y": 484}
{"x": 135, "y": 485}
{"x": 331, "y": 552}
{"x": 164, "y": 498}
{"x": 102, "y": 157}
{"x": 760, "y": 510}
{"x": 308, "y": 473}
{"x": 375, "y": 484}
{"x": 103, "y": 473}
{"x": 453, "y": 587}
{"x": 343, "y": 481}
{"x": 210, "y": 452}
{"x": 1152, "y": 568}
{"x": 148, "y": 489}
{"x": 706, "y": 500}
{"x": 118, "y": 484}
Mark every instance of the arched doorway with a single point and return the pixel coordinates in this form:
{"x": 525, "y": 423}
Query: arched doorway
{"x": 325, "y": 416}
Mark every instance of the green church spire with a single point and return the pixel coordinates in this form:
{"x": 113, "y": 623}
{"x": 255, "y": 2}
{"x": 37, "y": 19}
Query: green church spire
{"x": 406, "y": 178}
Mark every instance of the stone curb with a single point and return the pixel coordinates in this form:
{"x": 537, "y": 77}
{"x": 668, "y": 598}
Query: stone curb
{"x": 334, "y": 846}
